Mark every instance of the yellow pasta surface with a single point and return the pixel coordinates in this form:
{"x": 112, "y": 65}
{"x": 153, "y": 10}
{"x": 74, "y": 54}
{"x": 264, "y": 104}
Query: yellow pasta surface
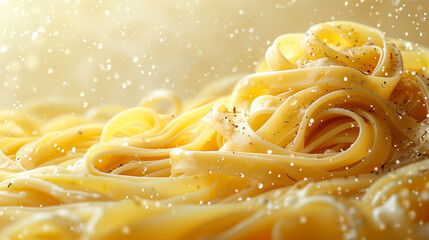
{"x": 327, "y": 140}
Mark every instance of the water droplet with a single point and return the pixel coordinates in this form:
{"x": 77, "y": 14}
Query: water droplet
{"x": 34, "y": 132}
{"x": 293, "y": 100}
{"x": 269, "y": 151}
{"x": 260, "y": 185}
{"x": 345, "y": 79}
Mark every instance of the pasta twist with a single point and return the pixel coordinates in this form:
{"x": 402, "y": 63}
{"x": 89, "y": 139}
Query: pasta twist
{"x": 330, "y": 134}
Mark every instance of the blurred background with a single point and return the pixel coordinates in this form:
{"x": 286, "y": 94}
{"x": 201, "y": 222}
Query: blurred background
{"x": 94, "y": 51}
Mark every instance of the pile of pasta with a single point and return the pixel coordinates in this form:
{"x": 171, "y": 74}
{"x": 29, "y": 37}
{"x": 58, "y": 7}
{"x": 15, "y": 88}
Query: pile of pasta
{"x": 327, "y": 140}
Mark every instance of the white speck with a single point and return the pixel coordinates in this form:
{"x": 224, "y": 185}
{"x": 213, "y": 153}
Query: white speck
{"x": 100, "y": 46}
{"x": 3, "y": 49}
{"x": 126, "y": 230}
{"x": 424, "y": 195}
{"x": 260, "y": 185}
{"x": 34, "y": 36}
{"x": 45, "y": 227}
{"x": 395, "y": 2}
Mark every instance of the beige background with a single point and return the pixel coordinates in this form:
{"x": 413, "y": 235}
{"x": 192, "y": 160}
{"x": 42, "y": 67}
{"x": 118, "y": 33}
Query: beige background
{"x": 94, "y": 51}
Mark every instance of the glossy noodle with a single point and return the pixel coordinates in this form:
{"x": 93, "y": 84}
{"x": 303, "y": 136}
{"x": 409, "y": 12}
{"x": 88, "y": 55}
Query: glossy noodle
{"x": 330, "y": 134}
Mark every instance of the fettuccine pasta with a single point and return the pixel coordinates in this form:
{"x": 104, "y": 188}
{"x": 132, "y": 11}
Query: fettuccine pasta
{"x": 327, "y": 140}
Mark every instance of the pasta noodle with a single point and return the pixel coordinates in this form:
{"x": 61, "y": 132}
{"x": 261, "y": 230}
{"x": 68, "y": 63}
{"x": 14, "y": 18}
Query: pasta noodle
{"x": 330, "y": 134}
